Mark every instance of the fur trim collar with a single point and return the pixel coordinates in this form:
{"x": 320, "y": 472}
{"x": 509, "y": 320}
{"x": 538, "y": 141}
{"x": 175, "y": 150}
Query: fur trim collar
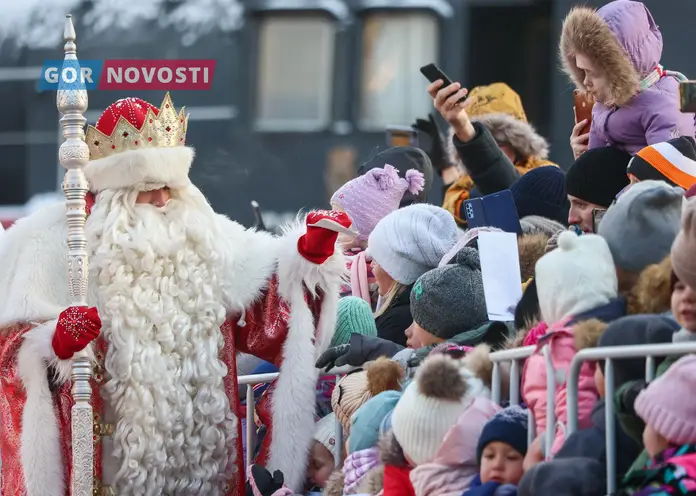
{"x": 586, "y": 333}
{"x": 531, "y": 248}
{"x": 586, "y": 32}
{"x": 652, "y": 293}
{"x": 143, "y": 169}
{"x": 390, "y": 452}
{"x": 521, "y": 136}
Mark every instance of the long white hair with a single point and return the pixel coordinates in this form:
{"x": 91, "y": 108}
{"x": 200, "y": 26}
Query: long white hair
{"x": 160, "y": 303}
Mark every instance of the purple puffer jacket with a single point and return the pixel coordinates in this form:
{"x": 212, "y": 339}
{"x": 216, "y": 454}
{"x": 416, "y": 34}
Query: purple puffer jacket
{"x": 638, "y": 119}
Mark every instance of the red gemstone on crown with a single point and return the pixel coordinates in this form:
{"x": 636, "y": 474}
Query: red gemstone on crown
{"x": 113, "y": 147}
{"x": 125, "y": 134}
{"x": 136, "y": 142}
{"x": 167, "y": 128}
{"x": 149, "y": 138}
{"x": 96, "y": 143}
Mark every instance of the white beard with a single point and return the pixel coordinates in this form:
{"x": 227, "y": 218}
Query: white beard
{"x": 160, "y": 304}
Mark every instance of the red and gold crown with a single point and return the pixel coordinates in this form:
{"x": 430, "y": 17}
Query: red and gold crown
{"x": 137, "y": 145}
{"x": 133, "y": 124}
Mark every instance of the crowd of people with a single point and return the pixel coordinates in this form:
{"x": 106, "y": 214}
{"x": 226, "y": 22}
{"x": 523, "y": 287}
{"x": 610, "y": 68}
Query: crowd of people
{"x": 606, "y": 258}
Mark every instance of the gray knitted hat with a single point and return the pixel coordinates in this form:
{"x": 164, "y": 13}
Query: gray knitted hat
{"x": 449, "y": 300}
{"x": 412, "y": 240}
{"x": 641, "y": 226}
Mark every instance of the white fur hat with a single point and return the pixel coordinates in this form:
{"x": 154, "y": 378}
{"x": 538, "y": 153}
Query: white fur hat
{"x": 577, "y": 276}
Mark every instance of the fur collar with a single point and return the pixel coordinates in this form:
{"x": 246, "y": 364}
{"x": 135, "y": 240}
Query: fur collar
{"x": 585, "y": 31}
{"x": 506, "y": 129}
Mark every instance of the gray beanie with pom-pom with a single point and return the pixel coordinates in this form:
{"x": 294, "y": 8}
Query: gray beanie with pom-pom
{"x": 450, "y": 300}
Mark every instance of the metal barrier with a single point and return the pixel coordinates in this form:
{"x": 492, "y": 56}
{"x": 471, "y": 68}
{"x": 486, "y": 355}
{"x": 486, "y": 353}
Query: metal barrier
{"x": 608, "y": 354}
{"x": 252, "y": 380}
{"x": 514, "y": 356}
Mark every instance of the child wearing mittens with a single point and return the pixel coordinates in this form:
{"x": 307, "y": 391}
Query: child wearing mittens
{"x": 668, "y": 408}
{"x": 438, "y": 421}
{"x": 614, "y": 54}
{"x": 367, "y": 199}
{"x": 500, "y": 451}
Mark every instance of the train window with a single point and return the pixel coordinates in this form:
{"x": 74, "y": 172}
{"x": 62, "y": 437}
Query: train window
{"x": 295, "y": 73}
{"x": 395, "y": 46}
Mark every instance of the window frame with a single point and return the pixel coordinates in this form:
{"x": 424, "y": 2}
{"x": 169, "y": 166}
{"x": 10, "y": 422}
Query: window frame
{"x": 441, "y": 10}
{"x": 264, "y": 12}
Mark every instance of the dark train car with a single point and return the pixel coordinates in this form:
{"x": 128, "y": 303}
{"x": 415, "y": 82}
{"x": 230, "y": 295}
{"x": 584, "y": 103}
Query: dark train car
{"x": 304, "y": 89}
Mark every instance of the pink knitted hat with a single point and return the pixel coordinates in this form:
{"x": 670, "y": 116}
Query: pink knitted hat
{"x": 370, "y": 197}
{"x": 665, "y": 405}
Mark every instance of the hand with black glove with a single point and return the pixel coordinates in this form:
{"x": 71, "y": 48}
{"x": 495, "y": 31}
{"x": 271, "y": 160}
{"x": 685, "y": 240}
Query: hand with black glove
{"x": 627, "y": 395}
{"x": 262, "y": 483}
{"x": 334, "y": 357}
{"x": 438, "y": 150}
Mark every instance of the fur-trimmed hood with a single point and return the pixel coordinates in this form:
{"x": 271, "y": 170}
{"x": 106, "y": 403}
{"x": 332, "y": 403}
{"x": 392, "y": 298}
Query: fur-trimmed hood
{"x": 652, "y": 293}
{"x": 621, "y": 38}
{"x": 521, "y": 136}
{"x": 499, "y": 108}
{"x": 531, "y": 248}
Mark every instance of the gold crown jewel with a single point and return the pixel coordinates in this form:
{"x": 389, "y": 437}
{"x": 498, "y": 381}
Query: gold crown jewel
{"x": 166, "y": 129}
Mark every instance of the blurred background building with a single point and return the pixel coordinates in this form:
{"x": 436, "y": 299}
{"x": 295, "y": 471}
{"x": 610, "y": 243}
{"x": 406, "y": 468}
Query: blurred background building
{"x": 303, "y": 89}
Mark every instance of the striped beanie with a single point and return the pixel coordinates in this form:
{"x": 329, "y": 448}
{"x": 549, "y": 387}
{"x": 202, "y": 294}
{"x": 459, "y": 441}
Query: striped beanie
{"x": 673, "y": 161}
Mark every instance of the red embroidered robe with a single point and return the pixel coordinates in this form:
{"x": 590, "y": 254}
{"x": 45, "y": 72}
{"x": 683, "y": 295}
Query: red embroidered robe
{"x": 288, "y": 325}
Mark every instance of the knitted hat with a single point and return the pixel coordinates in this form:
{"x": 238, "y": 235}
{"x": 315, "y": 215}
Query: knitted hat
{"x": 574, "y": 476}
{"x": 634, "y": 330}
{"x": 404, "y": 158}
{"x": 577, "y": 276}
{"x": 598, "y": 175}
{"x": 370, "y": 197}
{"x": 366, "y": 421}
{"x": 442, "y": 391}
{"x": 449, "y": 300}
{"x": 673, "y": 161}
{"x": 684, "y": 247}
{"x": 662, "y": 404}
{"x": 541, "y": 192}
{"x": 508, "y": 426}
{"x": 325, "y": 432}
{"x": 641, "y": 226}
{"x": 354, "y": 317}
{"x": 357, "y": 387}
{"x": 533, "y": 224}
{"x": 411, "y": 241}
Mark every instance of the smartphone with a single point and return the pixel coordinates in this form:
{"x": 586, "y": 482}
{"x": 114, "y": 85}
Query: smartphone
{"x": 402, "y": 136}
{"x": 597, "y": 214}
{"x": 583, "y": 103}
{"x": 433, "y": 73}
{"x": 687, "y": 96}
{"x": 494, "y": 210}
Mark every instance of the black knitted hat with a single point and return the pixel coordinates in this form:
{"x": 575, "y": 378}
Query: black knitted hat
{"x": 598, "y": 175}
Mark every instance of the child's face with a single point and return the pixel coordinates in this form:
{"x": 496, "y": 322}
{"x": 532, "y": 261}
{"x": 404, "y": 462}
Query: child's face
{"x": 417, "y": 337}
{"x": 384, "y": 280}
{"x": 321, "y": 464}
{"x": 654, "y": 443}
{"x": 501, "y": 463}
{"x": 599, "y": 380}
{"x": 684, "y": 306}
{"x": 595, "y": 82}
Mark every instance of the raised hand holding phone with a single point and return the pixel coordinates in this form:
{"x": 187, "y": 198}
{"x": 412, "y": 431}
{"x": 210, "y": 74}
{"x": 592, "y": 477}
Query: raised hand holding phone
{"x": 449, "y": 102}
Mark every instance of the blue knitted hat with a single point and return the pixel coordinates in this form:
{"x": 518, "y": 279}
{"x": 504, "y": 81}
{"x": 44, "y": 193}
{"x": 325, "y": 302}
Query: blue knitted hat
{"x": 541, "y": 192}
{"x": 508, "y": 426}
{"x": 354, "y": 317}
{"x": 366, "y": 421}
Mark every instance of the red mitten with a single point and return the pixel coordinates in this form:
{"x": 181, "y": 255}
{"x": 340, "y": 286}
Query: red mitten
{"x": 76, "y": 328}
{"x": 323, "y": 227}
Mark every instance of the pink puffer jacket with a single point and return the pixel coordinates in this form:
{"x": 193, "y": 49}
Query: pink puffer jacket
{"x": 560, "y": 339}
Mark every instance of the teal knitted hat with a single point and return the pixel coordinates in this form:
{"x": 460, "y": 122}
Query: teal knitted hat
{"x": 354, "y": 316}
{"x": 366, "y": 421}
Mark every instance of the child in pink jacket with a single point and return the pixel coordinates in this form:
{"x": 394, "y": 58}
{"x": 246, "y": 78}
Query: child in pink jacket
{"x": 367, "y": 199}
{"x": 576, "y": 277}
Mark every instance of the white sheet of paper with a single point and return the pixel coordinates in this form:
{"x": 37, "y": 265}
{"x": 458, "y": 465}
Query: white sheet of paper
{"x": 500, "y": 268}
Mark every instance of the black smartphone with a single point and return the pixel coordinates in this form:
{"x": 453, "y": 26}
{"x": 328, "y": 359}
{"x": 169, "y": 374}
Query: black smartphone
{"x": 432, "y": 72}
{"x": 597, "y": 214}
{"x": 402, "y": 136}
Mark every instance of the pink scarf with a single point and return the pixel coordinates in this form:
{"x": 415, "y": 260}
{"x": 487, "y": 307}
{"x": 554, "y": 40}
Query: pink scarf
{"x": 358, "y": 278}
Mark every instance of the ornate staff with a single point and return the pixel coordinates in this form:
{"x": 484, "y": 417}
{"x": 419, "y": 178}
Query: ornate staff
{"x": 74, "y": 155}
